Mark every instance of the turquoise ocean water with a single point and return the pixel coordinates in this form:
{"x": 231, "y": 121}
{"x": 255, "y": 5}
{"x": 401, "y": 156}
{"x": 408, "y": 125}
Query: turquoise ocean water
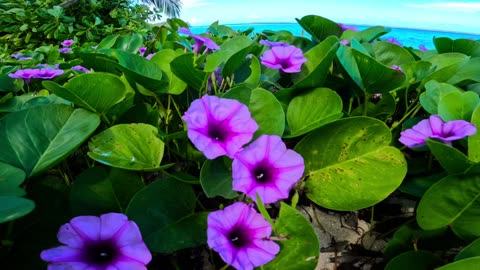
{"x": 408, "y": 37}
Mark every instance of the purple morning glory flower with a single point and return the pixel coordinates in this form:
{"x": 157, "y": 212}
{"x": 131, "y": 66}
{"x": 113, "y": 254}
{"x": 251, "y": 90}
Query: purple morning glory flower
{"x": 241, "y": 236}
{"x": 345, "y": 42}
{"x": 65, "y": 50}
{"x": 67, "y": 43}
{"x": 15, "y": 55}
{"x": 347, "y": 27}
{"x": 142, "y": 50}
{"x": 422, "y": 48}
{"x": 200, "y": 41}
{"x": 110, "y": 241}
{"x": 80, "y": 68}
{"x": 219, "y": 126}
{"x": 25, "y": 74}
{"x": 268, "y": 168}
{"x": 289, "y": 58}
{"x": 47, "y": 73}
{"x": 25, "y": 58}
{"x": 436, "y": 128}
{"x": 394, "y": 41}
{"x": 272, "y": 43}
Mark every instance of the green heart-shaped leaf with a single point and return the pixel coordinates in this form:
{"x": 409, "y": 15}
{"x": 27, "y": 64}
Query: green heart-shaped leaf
{"x": 128, "y": 146}
{"x": 350, "y": 164}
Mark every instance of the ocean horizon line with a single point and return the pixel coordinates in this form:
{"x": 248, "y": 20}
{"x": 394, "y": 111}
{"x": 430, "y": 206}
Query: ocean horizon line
{"x": 349, "y": 24}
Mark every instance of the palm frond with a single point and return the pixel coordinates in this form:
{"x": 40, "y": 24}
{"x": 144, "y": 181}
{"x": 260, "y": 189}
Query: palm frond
{"x": 171, "y": 8}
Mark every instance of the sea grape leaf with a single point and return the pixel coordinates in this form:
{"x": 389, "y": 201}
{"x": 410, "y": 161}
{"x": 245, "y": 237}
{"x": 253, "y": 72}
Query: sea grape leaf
{"x": 446, "y": 65}
{"x": 183, "y": 67}
{"x": 259, "y": 102}
{"x": 128, "y": 146}
{"x": 390, "y": 54}
{"x": 414, "y": 260}
{"x": 216, "y": 179}
{"x": 434, "y": 92}
{"x": 129, "y": 42}
{"x": 350, "y": 164}
{"x": 467, "y": 73}
{"x": 97, "y": 91}
{"x": 167, "y": 206}
{"x": 10, "y": 180}
{"x": 301, "y": 248}
{"x": 319, "y": 27}
{"x": 40, "y": 137}
{"x": 458, "y": 105}
{"x": 462, "y": 45}
{"x": 313, "y": 109}
{"x": 138, "y": 69}
{"x": 237, "y": 47}
{"x": 163, "y": 58}
{"x": 13, "y": 207}
{"x": 474, "y": 140}
{"x": 472, "y": 250}
{"x": 469, "y": 263}
{"x": 451, "y": 159}
{"x": 453, "y": 201}
{"x": 369, "y": 74}
{"x": 101, "y": 189}
{"x": 315, "y": 70}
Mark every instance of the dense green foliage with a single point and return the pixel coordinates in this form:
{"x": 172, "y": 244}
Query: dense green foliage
{"x": 32, "y": 23}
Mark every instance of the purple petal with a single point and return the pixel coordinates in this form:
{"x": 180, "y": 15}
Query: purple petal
{"x": 287, "y": 58}
{"x": 268, "y": 168}
{"x": 68, "y": 266}
{"x": 185, "y": 31}
{"x": 138, "y": 252}
{"x": 128, "y": 235}
{"x": 87, "y": 226}
{"x": 219, "y": 126}
{"x": 111, "y": 223}
{"x": 240, "y": 219}
{"x": 458, "y": 129}
{"x": 272, "y": 43}
{"x": 68, "y": 236}
{"x": 62, "y": 254}
{"x": 412, "y": 138}
{"x": 128, "y": 265}
{"x": 436, "y": 126}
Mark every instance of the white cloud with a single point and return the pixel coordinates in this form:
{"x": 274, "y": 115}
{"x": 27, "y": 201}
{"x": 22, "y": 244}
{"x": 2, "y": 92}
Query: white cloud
{"x": 470, "y": 7}
{"x": 195, "y": 3}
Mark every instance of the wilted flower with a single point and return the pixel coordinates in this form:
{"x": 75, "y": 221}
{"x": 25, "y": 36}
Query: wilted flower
{"x": 67, "y": 43}
{"x": 149, "y": 56}
{"x": 219, "y": 126}
{"x": 199, "y": 40}
{"x": 65, "y": 50}
{"x": 272, "y": 43}
{"x": 80, "y": 68}
{"x": 142, "y": 50}
{"x": 394, "y": 41}
{"x": 436, "y": 128}
{"x": 47, "y": 73}
{"x": 241, "y": 236}
{"x": 399, "y": 68}
{"x": 218, "y": 79}
{"x": 422, "y": 48}
{"x": 268, "y": 168}
{"x": 347, "y": 27}
{"x": 110, "y": 241}
{"x": 286, "y": 58}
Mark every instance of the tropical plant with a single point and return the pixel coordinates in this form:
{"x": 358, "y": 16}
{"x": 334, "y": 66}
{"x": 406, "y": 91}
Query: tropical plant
{"x": 171, "y": 8}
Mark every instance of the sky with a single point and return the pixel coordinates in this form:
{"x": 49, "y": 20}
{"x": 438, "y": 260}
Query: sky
{"x": 450, "y": 16}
